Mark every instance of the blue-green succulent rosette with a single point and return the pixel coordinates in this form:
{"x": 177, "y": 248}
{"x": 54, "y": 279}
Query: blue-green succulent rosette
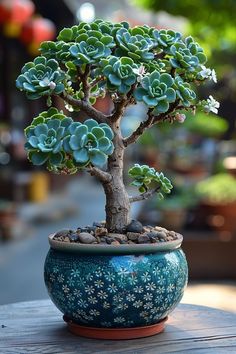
{"x": 91, "y": 47}
{"x": 166, "y": 38}
{"x": 89, "y": 143}
{"x": 156, "y": 91}
{"x": 187, "y": 55}
{"x": 44, "y": 138}
{"x": 136, "y": 44}
{"x": 65, "y": 145}
{"x": 183, "y": 91}
{"x": 41, "y": 77}
{"x": 119, "y": 73}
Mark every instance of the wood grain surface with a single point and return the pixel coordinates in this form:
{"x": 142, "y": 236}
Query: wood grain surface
{"x": 37, "y": 327}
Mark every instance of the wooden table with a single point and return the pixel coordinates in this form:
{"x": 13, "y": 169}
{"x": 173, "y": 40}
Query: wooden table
{"x": 37, "y": 327}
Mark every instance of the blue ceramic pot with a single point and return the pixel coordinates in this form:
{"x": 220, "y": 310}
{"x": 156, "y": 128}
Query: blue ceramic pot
{"x": 116, "y": 286}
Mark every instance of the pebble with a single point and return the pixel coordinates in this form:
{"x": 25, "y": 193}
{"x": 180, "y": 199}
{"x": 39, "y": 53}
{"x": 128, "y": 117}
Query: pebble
{"x": 133, "y": 236}
{"x": 115, "y": 242}
{"x": 85, "y": 237}
{"x": 143, "y": 239}
{"x": 161, "y": 234}
{"x": 98, "y": 234}
{"x": 62, "y": 233}
{"x": 101, "y": 231}
{"x": 119, "y": 237}
{"x": 135, "y": 226}
{"x": 74, "y": 236}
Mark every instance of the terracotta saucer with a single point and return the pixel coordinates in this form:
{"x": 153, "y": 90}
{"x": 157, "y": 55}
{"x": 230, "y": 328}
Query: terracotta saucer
{"x": 115, "y": 333}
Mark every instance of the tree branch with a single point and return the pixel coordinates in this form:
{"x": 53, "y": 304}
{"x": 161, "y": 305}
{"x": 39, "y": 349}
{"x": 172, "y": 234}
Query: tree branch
{"x": 140, "y": 130}
{"x": 103, "y": 177}
{"x": 85, "y": 107}
{"x": 119, "y": 108}
{"x": 144, "y": 196}
{"x": 84, "y": 79}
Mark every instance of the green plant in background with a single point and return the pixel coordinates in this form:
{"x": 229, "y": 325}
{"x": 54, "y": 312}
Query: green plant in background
{"x": 217, "y": 189}
{"x": 214, "y": 127}
{"x": 130, "y": 65}
{"x": 213, "y": 22}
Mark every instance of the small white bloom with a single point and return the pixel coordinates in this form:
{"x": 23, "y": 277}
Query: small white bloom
{"x": 213, "y": 75}
{"x": 140, "y": 72}
{"x": 207, "y": 73}
{"x": 52, "y": 85}
{"x": 211, "y": 105}
{"x": 180, "y": 117}
{"x": 69, "y": 107}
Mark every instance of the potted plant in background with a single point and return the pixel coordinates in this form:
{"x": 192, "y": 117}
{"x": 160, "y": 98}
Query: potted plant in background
{"x": 217, "y": 196}
{"x": 116, "y": 279}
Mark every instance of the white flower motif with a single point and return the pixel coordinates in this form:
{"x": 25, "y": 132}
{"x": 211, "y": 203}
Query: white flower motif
{"x": 60, "y": 278}
{"x": 119, "y": 319}
{"x": 170, "y": 288}
{"x": 55, "y": 269}
{"x": 138, "y": 304}
{"x": 52, "y": 277}
{"x": 161, "y": 290}
{"x": 71, "y": 282}
{"x": 89, "y": 289}
{"x": 161, "y": 280}
{"x": 99, "y": 283}
{"x": 82, "y": 303}
{"x": 102, "y": 294}
{"x": 211, "y": 105}
{"x": 144, "y": 314}
{"x": 112, "y": 288}
{"x": 75, "y": 273}
{"x": 98, "y": 273}
{"x": 138, "y": 289}
{"x": 117, "y": 298}
{"x": 150, "y": 286}
{"x": 70, "y": 297}
{"x": 106, "y": 305}
{"x": 94, "y": 312}
{"x": 123, "y": 272}
{"x": 121, "y": 306}
{"x": 148, "y": 305}
{"x": 77, "y": 292}
{"x": 130, "y": 297}
{"x": 146, "y": 277}
{"x": 133, "y": 279}
{"x": 92, "y": 300}
{"x": 147, "y": 296}
{"x": 109, "y": 276}
{"x": 106, "y": 324}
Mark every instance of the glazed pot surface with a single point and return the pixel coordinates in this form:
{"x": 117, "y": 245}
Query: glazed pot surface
{"x": 116, "y": 290}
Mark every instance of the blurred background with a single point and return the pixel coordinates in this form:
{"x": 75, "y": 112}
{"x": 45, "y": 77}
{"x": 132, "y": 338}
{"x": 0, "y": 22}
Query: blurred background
{"x": 199, "y": 156}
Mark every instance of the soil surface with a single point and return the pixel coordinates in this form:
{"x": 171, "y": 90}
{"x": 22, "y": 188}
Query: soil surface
{"x": 135, "y": 233}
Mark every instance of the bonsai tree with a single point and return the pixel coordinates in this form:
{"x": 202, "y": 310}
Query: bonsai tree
{"x": 131, "y": 65}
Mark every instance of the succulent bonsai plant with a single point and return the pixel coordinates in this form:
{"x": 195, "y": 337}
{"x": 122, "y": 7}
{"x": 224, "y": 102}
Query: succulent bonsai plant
{"x": 160, "y": 69}
{"x": 88, "y": 61}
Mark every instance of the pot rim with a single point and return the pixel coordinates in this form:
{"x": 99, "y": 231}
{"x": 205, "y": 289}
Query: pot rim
{"x": 115, "y": 249}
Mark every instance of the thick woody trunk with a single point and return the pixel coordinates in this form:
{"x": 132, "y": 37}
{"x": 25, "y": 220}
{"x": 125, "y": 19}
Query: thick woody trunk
{"x": 117, "y": 199}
